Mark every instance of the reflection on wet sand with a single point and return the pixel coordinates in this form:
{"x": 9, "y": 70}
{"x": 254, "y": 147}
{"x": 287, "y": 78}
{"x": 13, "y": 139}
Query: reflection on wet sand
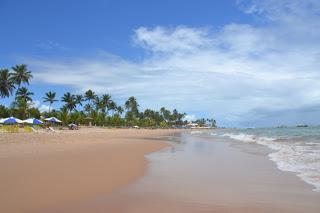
{"x": 201, "y": 174}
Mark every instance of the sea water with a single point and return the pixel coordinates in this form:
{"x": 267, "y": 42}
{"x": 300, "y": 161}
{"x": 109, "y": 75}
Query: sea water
{"x": 294, "y": 149}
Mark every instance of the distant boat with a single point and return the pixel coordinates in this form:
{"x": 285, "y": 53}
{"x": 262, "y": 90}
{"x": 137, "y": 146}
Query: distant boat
{"x": 282, "y": 126}
{"x": 302, "y": 125}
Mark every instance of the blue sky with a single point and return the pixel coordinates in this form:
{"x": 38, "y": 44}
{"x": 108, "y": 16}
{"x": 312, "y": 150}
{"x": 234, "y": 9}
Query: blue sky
{"x": 243, "y": 62}
{"x": 73, "y": 26}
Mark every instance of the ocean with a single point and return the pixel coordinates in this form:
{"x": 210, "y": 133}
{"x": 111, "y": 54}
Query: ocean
{"x": 293, "y": 149}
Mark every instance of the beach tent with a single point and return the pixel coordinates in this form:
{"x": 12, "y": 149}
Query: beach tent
{"x": 10, "y": 120}
{"x": 73, "y": 126}
{"x": 53, "y": 120}
{"x": 33, "y": 121}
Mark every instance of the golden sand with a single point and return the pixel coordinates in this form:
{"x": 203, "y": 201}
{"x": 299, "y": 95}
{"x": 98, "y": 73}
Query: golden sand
{"x": 48, "y": 170}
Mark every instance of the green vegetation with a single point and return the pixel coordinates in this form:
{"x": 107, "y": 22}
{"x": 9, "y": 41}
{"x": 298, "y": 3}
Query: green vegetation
{"x": 51, "y": 98}
{"x": 84, "y": 109}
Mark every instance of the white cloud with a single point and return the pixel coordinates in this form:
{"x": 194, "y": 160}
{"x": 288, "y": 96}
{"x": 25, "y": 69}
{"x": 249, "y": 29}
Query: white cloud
{"x": 34, "y": 104}
{"x": 281, "y": 10}
{"x": 51, "y": 45}
{"x": 227, "y": 73}
{"x": 172, "y": 40}
{"x": 190, "y": 117}
{"x": 41, "y": 107}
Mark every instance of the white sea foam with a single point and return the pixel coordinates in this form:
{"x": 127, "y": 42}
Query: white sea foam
{"x": 241, "y": 137}
{"x": 195, "y": 132}
{"x": 300, "y": 157}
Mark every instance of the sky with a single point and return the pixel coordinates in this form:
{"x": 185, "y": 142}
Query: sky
{"x": 246, "y": 63}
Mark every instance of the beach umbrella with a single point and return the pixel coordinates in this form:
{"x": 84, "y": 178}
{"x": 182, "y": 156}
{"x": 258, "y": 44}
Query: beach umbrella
{"x": 11, "y": 120}
{"x": 33, "y": 121}
{"x": 53, "y": 120}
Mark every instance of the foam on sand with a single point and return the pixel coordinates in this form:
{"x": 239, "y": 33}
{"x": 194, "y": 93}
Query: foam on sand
{"x": 293, "y": 155}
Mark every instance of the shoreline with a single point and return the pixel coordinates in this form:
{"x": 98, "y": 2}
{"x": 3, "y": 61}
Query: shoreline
{"x": 131, "y": 170}
{"x": 46, "y": 171}
{"x": 203, "y": 174}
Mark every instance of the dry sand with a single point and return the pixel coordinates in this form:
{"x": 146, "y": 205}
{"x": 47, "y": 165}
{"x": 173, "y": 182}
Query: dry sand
{"x": 39, "y": 172}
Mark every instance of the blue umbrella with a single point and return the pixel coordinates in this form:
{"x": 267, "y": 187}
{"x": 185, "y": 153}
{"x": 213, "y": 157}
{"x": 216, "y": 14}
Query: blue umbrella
{"x": 53, "y": 120}
{"x": 11, "y": 120}
{"x": 33, "y": 121}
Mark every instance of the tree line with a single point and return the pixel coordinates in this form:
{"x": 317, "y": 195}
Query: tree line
{"x": 81, "y": 109}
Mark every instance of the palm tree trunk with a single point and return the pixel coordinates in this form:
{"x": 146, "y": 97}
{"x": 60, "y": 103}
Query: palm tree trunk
{"x": 15, "y": 98}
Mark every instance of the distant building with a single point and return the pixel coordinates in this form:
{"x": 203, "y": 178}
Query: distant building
{"x": 192, "y": 125}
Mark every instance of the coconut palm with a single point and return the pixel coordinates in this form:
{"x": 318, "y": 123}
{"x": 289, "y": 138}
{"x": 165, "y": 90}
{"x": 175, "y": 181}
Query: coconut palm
{"x": 87, "y": 108}
{"x": 166, "y": 114}
{"x": 50, "y": 97}
{"x": 98, "y": 104}
{"x": 6, "y": 83}
{"x": 21, "y": 75}
{"x": 119, "y": 110}
{"x": 112, "y": 106}
{"x": 105, "y": 102}
{"x": 79, "y": 99}
{"x": 22, "y": 102}
{"x": 24, "y": 94}
{"x": 90, "y": 96}
{"x": 132, "y": 105}
{"x": 70, "y": 101}
{"x": 132, "y": 113}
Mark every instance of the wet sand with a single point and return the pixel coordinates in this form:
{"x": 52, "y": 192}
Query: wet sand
{"x": 202, "y": 174}
{"x": 44, "y": 171}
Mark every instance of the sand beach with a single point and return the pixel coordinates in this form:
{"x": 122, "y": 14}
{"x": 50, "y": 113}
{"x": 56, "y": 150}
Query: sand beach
{"x": 137, "y": 170}
{"x": 42, "y": 171}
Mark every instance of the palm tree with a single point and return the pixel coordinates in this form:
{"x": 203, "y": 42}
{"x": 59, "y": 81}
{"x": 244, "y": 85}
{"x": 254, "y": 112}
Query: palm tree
{"x": 6, "y": 83}
{"x": 87, "y": 108}
{"x": 90, "y": 96}
{"x": 132, "y": 113}
{"x": 24, "y": 94}
{"x": 21, "y": 75}
{"x": 63, "y": 115}
{"x": 22, "y": 101}
{"x": 112, "y": 106}
{"x": 166, "y": 114}
{"x": 70, "y": 101}
{"x": 132, "y": 105}
{"x": 50, "y": 97}
{"x": 106, "y": 100}
{"x": 79, "y": 99}
{"x": 98, "y": 104}
{"x": 119, "y": 110}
